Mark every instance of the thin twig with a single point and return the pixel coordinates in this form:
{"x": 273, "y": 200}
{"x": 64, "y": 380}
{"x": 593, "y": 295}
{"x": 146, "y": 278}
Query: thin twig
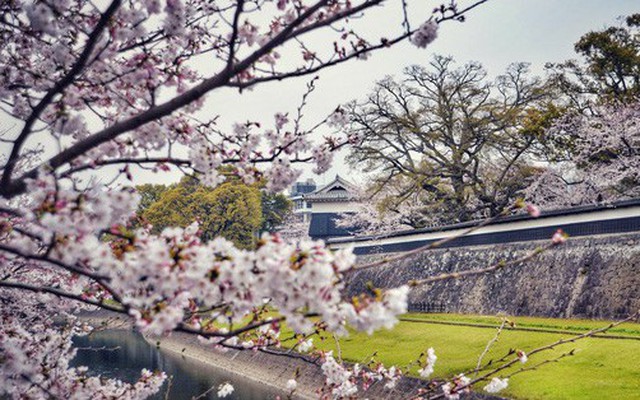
{"x": 431, "y": 245}
{"x": 169, "y": 385}
{"x": 538, "y": 365}
{"x": 541, "y": 349}
{"x": 499, "y": 265}
{"x": 103, "y": 348}
{"x": 491, "y": 343}
{"x": 205, "y": 393}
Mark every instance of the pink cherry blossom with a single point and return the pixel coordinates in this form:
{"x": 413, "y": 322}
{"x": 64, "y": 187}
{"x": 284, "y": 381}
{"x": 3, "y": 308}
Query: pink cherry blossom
{"x": 426, "y": 34}
{"x": 101, "y": 90}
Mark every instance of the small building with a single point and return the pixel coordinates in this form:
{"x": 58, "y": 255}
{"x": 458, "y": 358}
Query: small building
{"x": 326, "y": 205}
{"x": 301, "y": 208}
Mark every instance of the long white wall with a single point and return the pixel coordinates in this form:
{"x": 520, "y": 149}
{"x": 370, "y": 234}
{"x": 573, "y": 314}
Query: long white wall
{"x": 592, "y": 216}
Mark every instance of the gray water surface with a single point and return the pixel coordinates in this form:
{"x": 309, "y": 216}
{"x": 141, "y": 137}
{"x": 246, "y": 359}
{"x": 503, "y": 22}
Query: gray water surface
{"x": 123, "y": 354}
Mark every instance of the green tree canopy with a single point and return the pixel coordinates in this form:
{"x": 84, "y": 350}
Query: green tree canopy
{"x": 149, "y": 194}
{"x": 276, "y": 207}
{"x": 232, "y": 210}
{"x": 609, "y": 69}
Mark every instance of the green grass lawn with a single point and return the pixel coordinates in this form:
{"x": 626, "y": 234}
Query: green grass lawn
{"x": 600, "y": 369}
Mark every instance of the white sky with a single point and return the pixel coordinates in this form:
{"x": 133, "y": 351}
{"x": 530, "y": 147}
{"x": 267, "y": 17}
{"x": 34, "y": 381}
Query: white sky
{"x": 496, "y": 34}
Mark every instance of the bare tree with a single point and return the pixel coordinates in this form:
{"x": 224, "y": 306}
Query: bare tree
{"x": 450, "y": 133}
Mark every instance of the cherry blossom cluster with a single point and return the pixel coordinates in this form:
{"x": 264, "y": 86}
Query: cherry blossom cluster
{"x": 342, "y": 381}
{"x": 35, "y": 359}
{"x": 224, "y": 390}
{"x": 70, "y": 212}
{"x": 605, "y": 166}
{"x": 305, "y": 346}
{"x": 122, "y": 83}
{"x": 160, "y": 275}
{"x": 426, "y": 370}
{"x": 496, "y": 385}
{"x": 338, "y": 377}
{"x": 426, "y": 34}
{"x": 381, "y": 214}
{"x": 457, "y": 386}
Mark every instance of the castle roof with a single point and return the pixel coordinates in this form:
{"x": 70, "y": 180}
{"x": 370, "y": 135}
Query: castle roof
{"x": 338, "y": 190}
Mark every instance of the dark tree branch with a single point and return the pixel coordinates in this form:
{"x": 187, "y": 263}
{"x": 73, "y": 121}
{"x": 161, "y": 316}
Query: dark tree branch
{"x": 59, "y": 87}
{"x": 41, "y": 258}
{"x": 60, "y": 293}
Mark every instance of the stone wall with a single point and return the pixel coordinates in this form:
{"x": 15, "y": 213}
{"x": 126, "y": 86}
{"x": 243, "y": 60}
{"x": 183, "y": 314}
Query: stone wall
{"x": 588, "y": 277}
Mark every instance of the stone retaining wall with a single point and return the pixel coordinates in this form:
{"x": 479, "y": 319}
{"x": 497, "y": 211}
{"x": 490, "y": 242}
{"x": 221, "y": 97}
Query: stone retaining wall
{"x": 589, "y": 277}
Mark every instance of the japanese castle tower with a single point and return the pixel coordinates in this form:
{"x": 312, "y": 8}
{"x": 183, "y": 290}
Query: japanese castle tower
{"x": 326, "y": 204}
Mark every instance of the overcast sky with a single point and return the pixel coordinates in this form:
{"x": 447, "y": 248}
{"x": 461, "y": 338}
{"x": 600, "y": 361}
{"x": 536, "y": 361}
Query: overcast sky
{"x": 495, "y": 34}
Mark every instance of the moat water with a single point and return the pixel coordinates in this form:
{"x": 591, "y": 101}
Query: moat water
{"x": 123, "y": 354}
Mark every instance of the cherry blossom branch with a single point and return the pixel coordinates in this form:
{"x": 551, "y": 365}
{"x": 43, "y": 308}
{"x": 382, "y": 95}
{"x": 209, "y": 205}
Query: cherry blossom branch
{"x": 9, "y": 189}
{"x": 188, "y": 163}
{"x": 499, "y": 265}
{"x": 489, "y": 344}
{"x": 550, "y": 346}
{"x": 538, "y": 365}
{"x": 432, "y": 245}
{"x": 11, "y": 211}
{"x": 38, "y": 385}
{"x": 385, "y": 43}
{"x": 181, "y": 327}
{"x": 464, "y": 10}
{"x": 292, "y": 355}
{"x": 227, "y": 335}
{"x": 208, "y": 309}
{"x": 60, "y": 293}
{"x": 148, "y": 160}
{"x": 25, "y": 232}
{"x": 37, "y": 257}
{"x": 60, "y": 86}
{"x": 234, "y": 33}
{"x": 334, "y": 18}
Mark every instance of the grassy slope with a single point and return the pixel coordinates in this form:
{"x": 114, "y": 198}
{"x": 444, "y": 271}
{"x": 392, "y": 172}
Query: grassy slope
{"x": 600, "y": 369}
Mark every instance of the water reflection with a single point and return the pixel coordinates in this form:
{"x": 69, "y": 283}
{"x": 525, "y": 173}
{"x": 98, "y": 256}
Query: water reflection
{"x": 122, "y": 354}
